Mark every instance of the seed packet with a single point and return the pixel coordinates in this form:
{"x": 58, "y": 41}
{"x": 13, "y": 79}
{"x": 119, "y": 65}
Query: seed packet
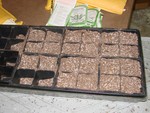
{"x": 78, "y": 16}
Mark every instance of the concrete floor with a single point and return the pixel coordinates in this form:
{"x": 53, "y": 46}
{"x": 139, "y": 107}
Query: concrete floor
{"x": 141, "y": 20}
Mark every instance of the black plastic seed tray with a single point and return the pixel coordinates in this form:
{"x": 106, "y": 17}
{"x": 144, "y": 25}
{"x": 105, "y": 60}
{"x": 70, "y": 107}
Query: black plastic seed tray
{"x": 79, "y": 60}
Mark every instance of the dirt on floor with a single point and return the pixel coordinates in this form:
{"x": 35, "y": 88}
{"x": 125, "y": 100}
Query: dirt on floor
{"x": 141, "y": 21}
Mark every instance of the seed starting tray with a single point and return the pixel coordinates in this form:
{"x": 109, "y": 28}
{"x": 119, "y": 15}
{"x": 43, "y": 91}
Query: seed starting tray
{"x": 79, "y": 60}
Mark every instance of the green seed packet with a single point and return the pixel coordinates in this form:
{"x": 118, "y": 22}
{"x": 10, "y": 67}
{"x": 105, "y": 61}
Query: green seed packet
{"x": 78, "y": 16}
{"x": 92, "y": 16}
{"x": 99, "y": 20}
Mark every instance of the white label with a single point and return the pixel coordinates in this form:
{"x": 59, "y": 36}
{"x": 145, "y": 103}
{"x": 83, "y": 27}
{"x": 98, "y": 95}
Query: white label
{"x": 61, "y": 12}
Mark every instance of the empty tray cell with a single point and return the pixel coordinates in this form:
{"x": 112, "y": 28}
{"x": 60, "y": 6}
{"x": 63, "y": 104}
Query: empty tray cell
{"x": 51, "y": 48}
{"x": 36, "y": 35}
{"x": 89, "y": 50}
{"x": 87, "y": 81}
{"x": 130, "y": 67}
{"x": 6, "y": 73}
{"x": 70, "y": 64}
{"x": 20, "y": 36}
{"x": 44, "y": 78}
{"x": 24, "y": 76}
{"x": 19, "y": 32}
{"x": 109, "y": 50}
{"x": 5, "y": 31}
{"x": 66, "y": 80}
{"x": 33, "y": 47}
{"x": 88, "y": 65}
{"x": 91, "y": 37}
{"x": 128, "y": 38}
{"x": 3, "y": 43}
{"x": 48, "y": 63}
{"x": 71, "y": 49}
{"x": 28, "y": 62}
{"x": 15, "y": 45}
{"x": 73, "y": 36}
{"x": 54, "y": 36}
{"x": 110, "y": 37}
{"x": 130, "y": 85}
{"x": 129, "y": 51}
{"x": 110, "y": 66}
{"x": 109, "y": 83}
{"x": 8, "y": 58}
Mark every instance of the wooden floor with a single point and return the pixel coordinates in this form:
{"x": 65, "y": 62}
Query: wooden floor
{"x": 34, "y": 13}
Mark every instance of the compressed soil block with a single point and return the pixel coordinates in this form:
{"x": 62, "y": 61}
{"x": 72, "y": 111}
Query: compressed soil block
{"x": 130, "y": 85}
{"x": 66, "y": 80}
{"x": 70, "y": 64}
{"x": 89, "y": 37}
{"x": 18, "y": 47}
{"x": 51, "y": 48}
{"x": 71, "y": 49}
{"x": 88, "y": 65}
{"x": 110, "y": 38}
{"x": 130, "y": 67}
{"x": 20, "y": 36}
{"x": 33, "y": 47}
{"x": 109, "y": 83}
{"x": 26, "y": 81}
{"x": 73, "y": 36}
{"x": 89, "y": 50}
{"x": 48, "y": 63}
{"x": 129, "y": 51}
{"x": 110, "y": 66}
{"x": 109, "y": 50}
{"x": 128, "y": 38}
{"x": 45, "y": 82}
{"x": 28, "y": 62}
{"x": 87, "y": 81}
{"x": 36, "y": 35}
{"x": 54, "y": 36}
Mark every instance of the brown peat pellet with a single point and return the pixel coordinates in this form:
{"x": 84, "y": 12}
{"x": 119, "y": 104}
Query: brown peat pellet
{"x": 73, "y": 36}
{"x": 89, "y": 37}
{"x": 129, "y": 51}
{"x": 51, "y": 48}
{"x": 71, "y": 49}
{"x": 28, "y": 62}
{"x": 17, "y": 47}
{"x": 109, "y": 83}
{"x": 54, "y": 36}
{"x": 109, "y": 50}
{"x": 110, "y": 66}
{"x": 48, "y": 63}
{"x": 88, "y": 65}
{"x": 33, "y": 47}
{"x": 89, "y": 50}
{"x": 110, "y": 38}
{"x": 87, "y": 81}
{"x": 130, "y": 67}
{"x": 66, "y": 80}
{"x": 130, "y": 85}
{"x": 70, "y": 64}
{"x": 36, "y": 35}
{"x": 26, "y": 81}
{"x": 128, "y": 38}
{"x": 45, "y": 82}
